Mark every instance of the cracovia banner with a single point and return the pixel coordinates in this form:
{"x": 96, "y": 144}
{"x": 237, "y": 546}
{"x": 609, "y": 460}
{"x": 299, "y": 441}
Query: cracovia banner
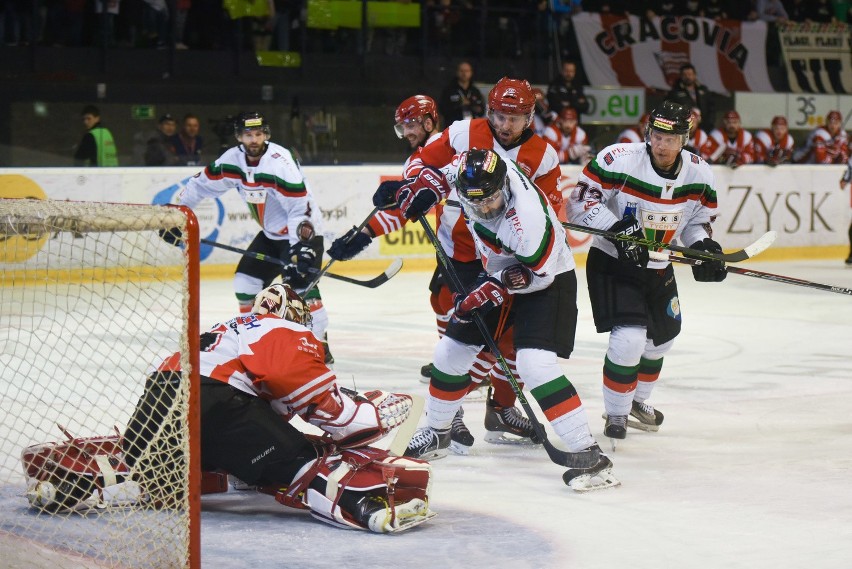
{"x": 629, "y": 51}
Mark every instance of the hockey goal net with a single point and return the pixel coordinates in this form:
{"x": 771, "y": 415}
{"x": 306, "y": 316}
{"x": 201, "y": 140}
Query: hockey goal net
{"x": 90, "y": 298}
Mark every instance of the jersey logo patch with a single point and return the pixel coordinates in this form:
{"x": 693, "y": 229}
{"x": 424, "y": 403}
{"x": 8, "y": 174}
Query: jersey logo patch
{"x": 694, "y": 159}
{"x": 608, "y": 158}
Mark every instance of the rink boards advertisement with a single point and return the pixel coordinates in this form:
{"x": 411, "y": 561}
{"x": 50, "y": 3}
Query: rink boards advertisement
{"x": 803, "y": 204}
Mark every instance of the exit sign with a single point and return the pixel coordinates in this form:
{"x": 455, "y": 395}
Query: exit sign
{"x": 142, "y": 112}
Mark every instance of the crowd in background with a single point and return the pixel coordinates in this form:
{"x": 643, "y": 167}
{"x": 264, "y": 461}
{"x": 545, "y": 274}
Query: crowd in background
{"x": 452, "y": 27}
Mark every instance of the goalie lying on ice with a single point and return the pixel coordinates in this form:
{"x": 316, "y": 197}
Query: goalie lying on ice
{"x": 257, "y": 371}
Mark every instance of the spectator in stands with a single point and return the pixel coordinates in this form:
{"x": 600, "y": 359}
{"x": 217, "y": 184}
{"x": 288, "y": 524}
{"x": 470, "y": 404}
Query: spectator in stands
{"x": 634, "y": 133}
{"x": 730, "y": 145}
{"x": 566, "y": 91}
{"x": 697, "y": 136}
{"x": 461, "y": 99}
{"x": 160, "y": 150}
{"x": 689, "y": 92}
{"x": 771, "y": 11}
{"x": 820, "y": 11}
{"x": 97, "y": 147}
{"x": 827, "y": 144}
{"x": 543, "y": 116}
{"x": 568, "y": 138}
{"x": 188, "y": 143}
{"x": 774, "y": 145}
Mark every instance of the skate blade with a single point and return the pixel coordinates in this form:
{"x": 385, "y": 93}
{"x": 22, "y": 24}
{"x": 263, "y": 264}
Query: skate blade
{"x": 458, "y": 448}
{"x": 613, "y": 443}
{"x": 502, "y": 438}
{"x": 592, "y": 482}
{"x": 414, "y": 521}
{"x": 638, "y": 425}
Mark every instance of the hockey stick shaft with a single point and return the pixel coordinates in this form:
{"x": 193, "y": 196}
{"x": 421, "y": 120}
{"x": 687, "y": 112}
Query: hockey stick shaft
{"x": 392, "y": 270}
{"x": 767, "y": 276}
{"x": 755, "y": 248}
{"x": 558, "y": 456}
{"x": 328, "y": 265}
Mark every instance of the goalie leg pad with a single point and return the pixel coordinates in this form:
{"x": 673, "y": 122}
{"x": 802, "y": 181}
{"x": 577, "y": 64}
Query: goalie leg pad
{"x": 363, "y": 488}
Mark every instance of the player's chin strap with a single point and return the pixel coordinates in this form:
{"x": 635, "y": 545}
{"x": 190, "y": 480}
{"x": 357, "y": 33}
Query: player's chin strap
{"x": 560, "y": 457}
{"x": 324, "y": 270}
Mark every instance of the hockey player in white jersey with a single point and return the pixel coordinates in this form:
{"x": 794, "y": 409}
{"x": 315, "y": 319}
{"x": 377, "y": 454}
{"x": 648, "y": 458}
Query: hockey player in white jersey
{"x": 652, "y": 189}
{"x": 528, "y": 280}
{"x": 270, "y": 181}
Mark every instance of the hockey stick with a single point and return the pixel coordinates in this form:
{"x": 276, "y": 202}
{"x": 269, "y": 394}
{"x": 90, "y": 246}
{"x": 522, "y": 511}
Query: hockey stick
{"x": 582, "y": 459}
{"x": 328, "y": 265}
{"x": 406, "y": 430}
{"x": 752, "y": 250}
{"x": 757, "y": 274}
{"x": 381, "y": 279}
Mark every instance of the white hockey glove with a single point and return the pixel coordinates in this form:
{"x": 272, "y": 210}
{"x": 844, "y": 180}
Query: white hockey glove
{"x": 393, "y": 408}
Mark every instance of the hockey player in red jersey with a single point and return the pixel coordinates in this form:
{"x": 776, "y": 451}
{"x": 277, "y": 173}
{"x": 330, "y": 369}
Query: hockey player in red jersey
{"x": 634, "y": 133}
{"x": 568, "y": 138}
{"x": 258, "y": 370}
{"x": 774, "y": 146}
{"x": 730, "y": 145}
{"x": 658, "y": 190}
{"x": 527, "y": 279}
{"x": 508, "y": 131}
{"x": 827, "y": 144}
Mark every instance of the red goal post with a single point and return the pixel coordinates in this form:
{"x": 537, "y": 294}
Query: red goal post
{"x": 90, "y": 299}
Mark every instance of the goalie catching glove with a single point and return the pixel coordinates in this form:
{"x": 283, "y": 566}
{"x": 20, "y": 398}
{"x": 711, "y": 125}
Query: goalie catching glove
{"x": 709, "y": 271}
{"x": 629, "y": 252}
{"x": 359, "y": 419}
{"x": 490, "y": 292}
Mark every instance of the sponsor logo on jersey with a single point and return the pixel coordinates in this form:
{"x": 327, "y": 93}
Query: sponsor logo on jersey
{"x": 276, "y": 155}
{"x": 306, "y": 343}
{"x": 695, "y": 159}
{"x": 673, "y": 308}
{"x": 608, "y": 158}
{"x": 660, "y": 225}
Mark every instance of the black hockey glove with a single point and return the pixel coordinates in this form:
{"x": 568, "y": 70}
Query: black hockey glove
{"x": 488, "y": 293}
{"x": 385, "y": 196}
{"x": 349, "y": 244}
{"x": 423, "y": 193}
{"x": 709, "y": 271}
{"x": 302, "y": 256}
{"x": 628, "y": 251}
{"x": 173, "y": 236}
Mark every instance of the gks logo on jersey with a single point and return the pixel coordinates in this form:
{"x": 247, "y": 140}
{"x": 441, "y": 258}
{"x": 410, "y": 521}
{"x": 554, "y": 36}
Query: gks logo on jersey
{"x": 660, "y": 225}
{"x": 210, "y": 214}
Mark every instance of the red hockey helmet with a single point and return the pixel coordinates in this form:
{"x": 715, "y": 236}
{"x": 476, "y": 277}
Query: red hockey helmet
{"x": 732, "y": 115}
{"x": 568, "y": 113}
{"x": 414, "y": 108}
{"x": 779, "y": 120}
{"x": 512, "y": 96}
{"x": 833, "y": 115}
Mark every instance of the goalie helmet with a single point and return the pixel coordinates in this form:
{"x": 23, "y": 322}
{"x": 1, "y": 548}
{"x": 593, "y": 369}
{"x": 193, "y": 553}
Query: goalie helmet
{"x": 281, "y": 300}
{"x": 415, "y": 108}
{"x": 670, "y": 118}
{"x": 512, "y": 96}
{"x": 250, "y": 120}
{"x": 481, "y": 183}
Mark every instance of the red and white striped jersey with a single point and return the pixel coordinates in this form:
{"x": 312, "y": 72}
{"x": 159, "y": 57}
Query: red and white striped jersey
{"x": 275, "y": 191}
{"x": 822, "y": 148}
{"x": 629, "y": 135}
{"x": 719, "y": 149}
{"x": 572, "y": 148}
{"x": 697, "y": 142}
{"x": 767, "y": 150}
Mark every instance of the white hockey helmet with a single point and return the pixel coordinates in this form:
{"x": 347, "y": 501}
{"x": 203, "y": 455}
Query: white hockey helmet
{"x": 281, "y": 300}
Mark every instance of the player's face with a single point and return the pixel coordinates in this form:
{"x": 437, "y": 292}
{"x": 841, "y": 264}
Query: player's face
{"x": 486, "y": 208}
{"x": 732, "y": 126}
{"x": 779, "y": 131}
{"x": 253, "y": 141}
{"x": 89, "y": 121}
{"x": 833, "y": 126}
{"x": 665, "y": 148}
{"x": 507, "y": 128}
{"x": 568, "y": 126}
{"x": 413, "y": 132}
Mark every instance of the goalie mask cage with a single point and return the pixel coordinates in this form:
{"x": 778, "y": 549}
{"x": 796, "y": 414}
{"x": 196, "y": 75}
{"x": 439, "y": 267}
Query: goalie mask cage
{"x": 90, "y": 298}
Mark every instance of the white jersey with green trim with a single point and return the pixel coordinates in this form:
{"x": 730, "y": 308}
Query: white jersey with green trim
{"x": 622, "y": 180}
{"x": 275, "y": 190}
{"x": 527, "y": 232}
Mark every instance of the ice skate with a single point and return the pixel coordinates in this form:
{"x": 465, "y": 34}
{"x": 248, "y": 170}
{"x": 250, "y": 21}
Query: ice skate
{"x": 506, "y": 425}
{"x": 329, "y": 359}
{"x": 615, "y": 428}
{"x": 429, "y": 444}
{"x": 597, "y": 476}
{"x": 646, "y": 417}
{"x": 460, "y": 438}
{"x": 379, "y": 517}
